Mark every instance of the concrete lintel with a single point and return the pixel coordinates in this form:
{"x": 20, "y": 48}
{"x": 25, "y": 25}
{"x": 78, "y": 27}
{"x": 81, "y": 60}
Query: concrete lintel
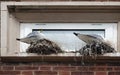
{"x": 65, "y": 3}
{"x": 57, "y": 3}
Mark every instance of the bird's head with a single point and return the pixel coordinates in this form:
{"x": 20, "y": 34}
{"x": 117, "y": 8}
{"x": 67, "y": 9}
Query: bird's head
{"x": 75, "y": 33}
{"x": 18, "y": 39}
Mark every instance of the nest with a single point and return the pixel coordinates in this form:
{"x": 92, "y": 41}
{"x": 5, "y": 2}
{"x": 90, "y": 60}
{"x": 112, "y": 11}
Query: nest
{"x": 44, "y": 47}
{"x": 96, "y": 49}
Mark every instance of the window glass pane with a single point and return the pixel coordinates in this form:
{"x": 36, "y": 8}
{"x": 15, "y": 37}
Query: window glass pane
{"x": 66, "y": 39}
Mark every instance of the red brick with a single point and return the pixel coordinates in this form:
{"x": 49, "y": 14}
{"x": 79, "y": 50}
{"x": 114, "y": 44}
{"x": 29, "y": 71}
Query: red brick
{"x": 117, "y": 68}
{"x": 101, "y": 73}
{"x": 109, "y": 68}
{"x": 26, "y": 68}
{"x": 7, "y": 67}
{"x": 83, "y": 68}
{"x": 100, "y": 68}
{"x": 45, "y": 68}
{"x": 44, "y": 64}
{"x": 45, "y": 73}
{"x": 64, "y": 73}
{"x": 114, "y": 73}
{"x": 27, "y": 73}
{"x": 82, "y": 73}
{"x": 9, "y": 72}
{"x": 65, "y": 68}
{"x": 0, "y": 68}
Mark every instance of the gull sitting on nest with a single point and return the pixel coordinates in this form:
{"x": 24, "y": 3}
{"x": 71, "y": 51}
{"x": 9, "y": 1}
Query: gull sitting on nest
{"x": 39, "y": 44}
{"x": 95, "y": 44}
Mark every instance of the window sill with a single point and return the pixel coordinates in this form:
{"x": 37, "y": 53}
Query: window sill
{"x": 113, "y": 57}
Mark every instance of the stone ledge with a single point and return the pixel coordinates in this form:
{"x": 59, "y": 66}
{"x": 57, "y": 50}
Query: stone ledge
{"x": 44, "y": 58}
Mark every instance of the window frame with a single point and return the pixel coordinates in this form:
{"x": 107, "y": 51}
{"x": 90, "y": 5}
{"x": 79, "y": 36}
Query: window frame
{"x": 110, "y": 29}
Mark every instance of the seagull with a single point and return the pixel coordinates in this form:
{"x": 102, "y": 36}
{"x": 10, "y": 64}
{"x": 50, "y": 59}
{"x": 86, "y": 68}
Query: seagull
{"x": 89, "y": 38}
{"x": 92, "y": 38}
{"x": 32, "y": 37}
{"x": 95, "y": 41}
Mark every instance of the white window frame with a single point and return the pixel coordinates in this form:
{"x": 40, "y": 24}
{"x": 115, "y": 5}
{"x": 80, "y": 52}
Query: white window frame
{"x": 110, "y": 29}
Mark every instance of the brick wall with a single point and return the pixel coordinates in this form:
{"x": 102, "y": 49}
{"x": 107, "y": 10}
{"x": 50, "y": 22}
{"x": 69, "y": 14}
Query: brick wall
{"x": 59, "y": 69}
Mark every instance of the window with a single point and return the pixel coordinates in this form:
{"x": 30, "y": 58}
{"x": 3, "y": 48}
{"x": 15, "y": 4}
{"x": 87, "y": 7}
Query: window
{"x": 62, "y": 33}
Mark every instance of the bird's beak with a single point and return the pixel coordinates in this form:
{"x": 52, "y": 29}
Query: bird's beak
{"x": 17, "y": 39}
{"x": 75, "y": 33}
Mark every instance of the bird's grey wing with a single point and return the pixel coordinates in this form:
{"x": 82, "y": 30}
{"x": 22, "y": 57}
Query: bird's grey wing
{"x": 89, "y": 38}
{"x": 96, "y": 36}
{"x": 34, "y": 33}
{"x": 86, "y": 38}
